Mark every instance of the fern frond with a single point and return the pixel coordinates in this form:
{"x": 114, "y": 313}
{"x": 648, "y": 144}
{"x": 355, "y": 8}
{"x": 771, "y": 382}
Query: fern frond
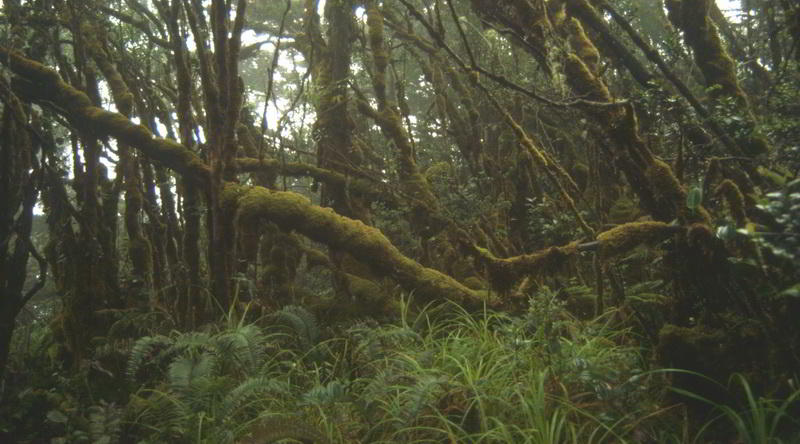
{"x": 302, "y": 322}
{"x": 245, "y": 346}
{"x": 420, "y": 394}
{"x": 185, "y": 370}
{"x": 142, "y": 352}
{"x": 276, "y": 428}
{"x": 254, "y": 388}
{"x": 194, "y": 341}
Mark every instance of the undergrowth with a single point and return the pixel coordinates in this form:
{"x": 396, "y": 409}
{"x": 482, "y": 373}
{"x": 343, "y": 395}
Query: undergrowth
{"x": 436, "y": 374}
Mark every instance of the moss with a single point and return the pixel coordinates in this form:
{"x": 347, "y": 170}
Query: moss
{"x": 583, "y": 82}
{"x": 282, "y": 427}
{"x": 666, "y": 188}
{"x": 623, "y": 210}
{"x": 735, "y": 199}
{"x": 623, "y": 238}
{"x": 715, "y": 63}
{"x": 83, "y": 114}
{"x": 316, "y": 258}
{"x": 777, "y": 179}
{"x": 141, "y": 253}
{"x": 583, "y": 47}
{"x": 475, "y": 283}
{"x": 700, "y": 348}
{"x": 738, "y": 345}
{"x": 504, "y": 273}
{"x": 292, "y": 211}
{"x": 438, "y": 171}
{"x": 717, "y": 66}
{"x": 379, "y": 55}
{"x": 755, "y": 144}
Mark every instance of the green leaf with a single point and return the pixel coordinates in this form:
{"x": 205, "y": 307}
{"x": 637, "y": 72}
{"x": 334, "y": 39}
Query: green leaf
{"x": 57, "y": 417}
{"x": 694, "y": 198}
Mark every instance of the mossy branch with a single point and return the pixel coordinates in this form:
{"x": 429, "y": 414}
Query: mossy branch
{"x": 505, "y": 272}
{"x": 372, "y": 189}
{"x": 292, "y": 211}
{"x": 289, "y": 210}
{"x": 78, "y": 108}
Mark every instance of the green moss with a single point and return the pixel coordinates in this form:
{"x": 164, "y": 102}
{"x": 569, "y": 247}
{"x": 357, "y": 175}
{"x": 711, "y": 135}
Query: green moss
{"x": 583, "y": 47}
{"x": 504, "y": 273}
{"x": 692, "y": 348}
{"x": 583, "y": 82}
{"x": 438, "y": 171}
{"x": 580, "y": 175}
{"x": 141, "y": 253}
{"x": 379, "y": 55}
{"x": 735, "y": 199}
{"x": 717, "y": 66}
{"x": 714, "y": 62}
{"x": 292, "y": 211}
{"x": 776, "y": 179}
{"x": 475, "y": 283}
{"x": 623, "y": 238}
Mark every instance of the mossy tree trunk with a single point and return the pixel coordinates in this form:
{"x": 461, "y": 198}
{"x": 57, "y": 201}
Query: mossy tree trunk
{"x": 718, "y": 68}
{"x": 20, "y": 182}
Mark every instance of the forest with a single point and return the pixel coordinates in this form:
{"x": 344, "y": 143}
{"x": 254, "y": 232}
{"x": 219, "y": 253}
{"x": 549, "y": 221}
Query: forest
{"x": 399, "y": 221}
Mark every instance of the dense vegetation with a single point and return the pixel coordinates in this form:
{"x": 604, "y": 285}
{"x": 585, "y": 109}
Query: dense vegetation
{"x": 485, "y": 221}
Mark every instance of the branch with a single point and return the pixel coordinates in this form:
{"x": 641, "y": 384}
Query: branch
{"x": 291, "y": 211}
{"x": 79, "y": 110}
{"x": 288, "y": 210}
{"x": 42, "y": 273}
{"x": 370, "y": 188}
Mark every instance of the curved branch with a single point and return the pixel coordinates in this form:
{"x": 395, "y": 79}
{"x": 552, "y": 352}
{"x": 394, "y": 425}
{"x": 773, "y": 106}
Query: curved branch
{"x": 79, "y": 110}
{"x": 291, "y": 211}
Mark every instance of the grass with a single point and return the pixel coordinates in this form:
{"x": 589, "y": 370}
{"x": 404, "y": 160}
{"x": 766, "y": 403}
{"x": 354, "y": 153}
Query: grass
{"x": 437, "y": 374}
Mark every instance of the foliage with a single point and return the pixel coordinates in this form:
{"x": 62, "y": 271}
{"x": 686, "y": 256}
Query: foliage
{"x": 212, "y": 215}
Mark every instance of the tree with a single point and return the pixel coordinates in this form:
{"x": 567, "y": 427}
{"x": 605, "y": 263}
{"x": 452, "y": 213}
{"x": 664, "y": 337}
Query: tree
{"x": 464, "y": 152}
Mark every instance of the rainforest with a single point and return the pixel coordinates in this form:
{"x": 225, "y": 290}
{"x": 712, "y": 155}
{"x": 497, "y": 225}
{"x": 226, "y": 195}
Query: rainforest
{"x": 399, "y": 221}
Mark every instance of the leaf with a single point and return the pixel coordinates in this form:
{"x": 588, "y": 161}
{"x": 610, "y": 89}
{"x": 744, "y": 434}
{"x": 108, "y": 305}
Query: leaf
{"x": 694, "y": 198}
{"x": 57, "y": 417}
{"x": 792, "y": 292}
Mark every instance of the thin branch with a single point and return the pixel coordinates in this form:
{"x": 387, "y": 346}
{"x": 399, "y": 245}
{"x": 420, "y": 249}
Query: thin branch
{"x": 499, "y": 79}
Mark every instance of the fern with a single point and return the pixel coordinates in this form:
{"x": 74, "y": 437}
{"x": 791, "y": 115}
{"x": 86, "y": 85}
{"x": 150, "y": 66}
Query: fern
{"x": 105, "y": 422}
{"x": 420, "y": 394}
{"x": 142, "y": 352}
{"x": 276, "y": 428}
{"x": 245, "y": 347}
{"x": 186, "y": 370}
{"x": 254, "y": 388}
{"x": 194, "y": 341}
{"x": 301, "y": 322}
{"x": 334, "y": 391}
